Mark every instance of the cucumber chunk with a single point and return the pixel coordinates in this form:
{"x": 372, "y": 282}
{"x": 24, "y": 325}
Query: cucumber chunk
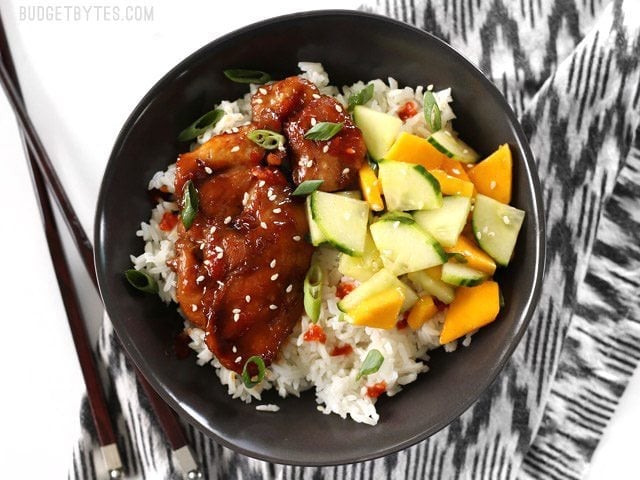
{"x": 433, "y": 286}
{"x": 341, "y": 220}
{"x": 364, "y": 267}
{"x": 461, "y": 275}
{"x": 453, "y": 147}
{"x": 405, "y": 247}
{"x": 379, "y": 282}
{"x": 445, "y": 223}
{"x": 317, "y": 237}
{"x": 496, "y": 226}
{"x": 379, "y": 130}
{"x": 407, "y": 186}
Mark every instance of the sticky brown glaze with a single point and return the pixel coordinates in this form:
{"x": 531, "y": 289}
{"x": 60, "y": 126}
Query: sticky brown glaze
{"x": 336, "y": 161}
{"x": 272, "y": 104}
{"x": 242, "y": 263}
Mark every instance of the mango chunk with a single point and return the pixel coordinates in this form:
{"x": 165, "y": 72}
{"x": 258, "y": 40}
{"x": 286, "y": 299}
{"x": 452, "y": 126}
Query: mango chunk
{"x": 450, "y": 185}
{"x": 378, "y": 311}
{"x": 423, "y": 310}
{"x": 473, "y": 307}
{"x": 413, "y": 149}
{"x": 493, "y": 176}
{"x": 371, "y": 190}
{"x": 455, "y": 169}
{"x": 476, "y": 258}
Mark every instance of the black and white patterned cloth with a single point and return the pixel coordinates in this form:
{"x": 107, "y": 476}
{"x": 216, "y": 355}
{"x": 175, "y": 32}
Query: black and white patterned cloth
{"x": 571, "y": 71}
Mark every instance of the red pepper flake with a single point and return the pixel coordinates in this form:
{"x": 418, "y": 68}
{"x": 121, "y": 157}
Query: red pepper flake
{"x": 407, "y": 111}
{"x": 315, "y": 334}
{"x": 439, "y": 304}
{"x": 345, "y": 349}
{"x": 168, "y": 221}
{"x": 344, "y": 288}
{"x": 377, "y": 389}
{"x": 403, "y": 322}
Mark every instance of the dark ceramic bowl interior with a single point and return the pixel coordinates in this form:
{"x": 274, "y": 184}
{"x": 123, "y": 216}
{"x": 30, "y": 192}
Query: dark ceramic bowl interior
{"x": 352, "y": 46}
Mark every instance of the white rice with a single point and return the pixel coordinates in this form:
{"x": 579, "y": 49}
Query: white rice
{"x": 302, "y": 364}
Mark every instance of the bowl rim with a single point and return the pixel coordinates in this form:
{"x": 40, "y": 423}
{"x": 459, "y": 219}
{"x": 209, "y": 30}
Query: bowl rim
{"x": 537, "y": 215}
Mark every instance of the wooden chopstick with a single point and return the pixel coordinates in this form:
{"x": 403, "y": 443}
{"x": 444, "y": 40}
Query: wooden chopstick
{"x": 42, "y": 171}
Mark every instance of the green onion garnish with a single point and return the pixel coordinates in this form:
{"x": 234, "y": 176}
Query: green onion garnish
{"x": 249, "y": 380}
{"x": 458, "y": 257}
{"x": 313, "y": 292}
{"x": 501, "y": 298}
{"x": 323, "y": 131}
{"x": 267, "y": 139}
{"x": 240, "y": 75}
{"x": 190, "y": 203}
{"x": 307, "y": 187}
{"x": 201, "y": 125}
{"x": 431, "y": 112}
{"x": 371, "y": 363}
{"x": 360, "y": 98}
{"x": 142, "y": 281}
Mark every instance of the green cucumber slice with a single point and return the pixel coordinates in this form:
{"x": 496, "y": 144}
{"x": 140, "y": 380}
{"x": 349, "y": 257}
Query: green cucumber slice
{"x": 379, "y": 282}
{"x": 407, "y": 186}
{"x": 445, "y": 223}
{"x": 453, "y": 147}
{"x": 443, "y": 292}
{"x": 379, "y": 130}
{"x": 364, "y": 267}
{"x": 317, "y": 237}
{"x": 496, "y": 226}
{"x": 405, "y": 247}
{"x": 341, "y": 220}
{"x": 460, "y": 275}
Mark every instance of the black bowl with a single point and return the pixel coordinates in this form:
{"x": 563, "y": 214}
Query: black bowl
{"x": 352, "y": 46}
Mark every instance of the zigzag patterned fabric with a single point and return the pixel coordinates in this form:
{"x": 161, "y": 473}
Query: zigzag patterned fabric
{"x": 571, "y": 71}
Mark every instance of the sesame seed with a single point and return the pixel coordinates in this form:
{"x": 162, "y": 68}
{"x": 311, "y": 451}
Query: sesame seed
{"x": 492, "y": 234}
{"x": 247, "y": 298}
{"x": 263, "y": 225}
{"x": 235, "y": 130}
{"x": 289, "y": 288}
{"x": 313, "y": 121}
{"x": 296, "y": 238}
{"x": 202, "y": 246}
{"x": 485, "y": 229}
{"x": 200, "y": 279}
{"x": 194, "y": 308}
{"x": 236, "y": 310}
{"x": 262, "y": 90}
{"x": 234, "y": 349}
{"x": 220, "y": 255}
{"x": 506, "y": 220}
{"x": 464, "y": 150}
{"x": 220, "y": 284}
{"x": 212, "y": 230}
{"x": 245, "y": 198}
{"x": 238, "y": 359}
{"x": 273, "y": 263}
{"x": 277, "y": 210}
{"x": 325, "y": 149}
{"x": 456, "y": 171}
{"x": 430, "y": 87}
{"x": 316, "y": 96}
{"x": 492, "y": 185}
{"x": 345, "y": 171}
{"x": 479, "y": 235}
{"x": 236, "y": 317}
{"x": 272, "y": 197}
{"x": 208, "y": 170}
{"x": 273, "y": 307}
{"x": 396, "y": 224}
{"x": 207, "y": 262}
{"x": 257, "y": 100}
{"x": 261, "y": 183}
{"x": 227, "y": 220}
{"x": 338, "y": 109}
{"x": 274, "y": 277}
{"x": 235, "y": 149}
{"x": 218, "y": 249}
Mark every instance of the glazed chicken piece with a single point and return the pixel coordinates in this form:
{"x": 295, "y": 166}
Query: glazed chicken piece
{"x": 273, "y": 104}
{"x": 242, "y": 263}
{"x": 337, "y": 160}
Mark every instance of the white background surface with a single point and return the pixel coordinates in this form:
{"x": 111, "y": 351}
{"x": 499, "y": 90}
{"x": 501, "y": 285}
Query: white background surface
{"x": 81, "y": 78}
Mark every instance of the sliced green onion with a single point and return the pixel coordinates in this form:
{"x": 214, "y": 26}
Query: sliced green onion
{"x": 458, "y": 257}
{"x": 323, "y": 131}
{"x": 201, "y": 125}
{"x": 241, "y": 75}
{"x": 313, "y": 292}
{"x": 360, "y": 98}
{"x": 190, "y": 203}
{"x": 431, "y": 112}
{"x": 307, "y": 187}
{"x": 371, "y": 363}
{"x": 501, "y": 298}
{"x": 267, "y": 139}
{"x": 249, "y": 380}
{"x": 141, "y": 280}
